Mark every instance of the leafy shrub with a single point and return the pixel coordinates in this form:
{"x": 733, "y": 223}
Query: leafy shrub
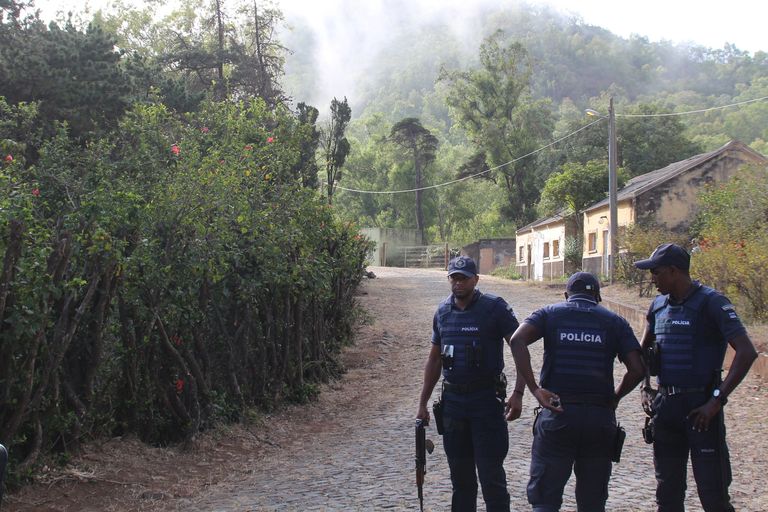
{"x": 164, "y": 278}
{"x": 636, "y": 243}
{"x": 732, "y": 231}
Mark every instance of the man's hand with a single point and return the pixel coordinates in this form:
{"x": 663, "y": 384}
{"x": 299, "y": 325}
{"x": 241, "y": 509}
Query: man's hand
{"x": 423, "y": 414}
{"x": 514, "y": 407}
{"x": 647, "y": 396}
{"x": 701, "y": 417}
{"x": 548, "y": 399}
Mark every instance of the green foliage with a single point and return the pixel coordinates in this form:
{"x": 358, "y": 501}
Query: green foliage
{"x": 650, "y": 143}
{"x": 74, "y": 76}
{"x": 573, "y": 251}
{"x": 421, "y": 145}
{"x": 636, "y": 243}
{"x": 509, "y": 272}
{"x": 493, "y": 104}
{"x": 169, "y": 276}
{"x": 335, "y": 146}
{"x": 732, "y": 233}
{"x": 577, "y": 186}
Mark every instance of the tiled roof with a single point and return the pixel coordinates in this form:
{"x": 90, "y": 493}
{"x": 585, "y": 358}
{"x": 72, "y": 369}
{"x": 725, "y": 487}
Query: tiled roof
{"x": 560, "y": 215}
{"x": 649, "y": 180}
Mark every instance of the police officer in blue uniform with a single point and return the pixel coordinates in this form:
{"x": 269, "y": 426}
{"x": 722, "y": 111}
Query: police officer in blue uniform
{"x": 576, "y": 431}
{"x": 689, "y": 327}
{"x": 468, "y": 333}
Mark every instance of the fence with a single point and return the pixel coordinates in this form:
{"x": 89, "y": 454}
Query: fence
{"x": 422, "y": 256}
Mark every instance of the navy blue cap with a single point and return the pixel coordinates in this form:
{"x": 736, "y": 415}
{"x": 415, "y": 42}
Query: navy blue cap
{"x": 462, "y": 265}
{"x": 581, "y": 282}
{"x": 666, "y": 255}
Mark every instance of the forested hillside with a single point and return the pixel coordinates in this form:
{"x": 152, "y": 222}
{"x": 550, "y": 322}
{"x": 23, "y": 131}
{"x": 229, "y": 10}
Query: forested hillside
{"x": 559, "y": 61}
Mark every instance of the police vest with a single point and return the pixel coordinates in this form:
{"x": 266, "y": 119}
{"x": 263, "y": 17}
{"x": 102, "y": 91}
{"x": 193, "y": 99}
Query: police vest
{"x": 690, "y": 344}
{"x": 474, "y": 339}
{"x": 579, "y": 349}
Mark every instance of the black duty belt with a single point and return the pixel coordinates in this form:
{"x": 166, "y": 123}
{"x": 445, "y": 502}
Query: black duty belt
{"x": 676, "y": 390}
{"x": 586, "y": 399}
{"x": 469, "y": 387}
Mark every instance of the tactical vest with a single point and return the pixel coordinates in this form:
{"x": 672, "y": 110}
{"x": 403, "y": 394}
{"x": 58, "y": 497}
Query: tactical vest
{"x": 476, "y": 341}
{"x": 579, "y": 349}
{"x": 690, "y": 344}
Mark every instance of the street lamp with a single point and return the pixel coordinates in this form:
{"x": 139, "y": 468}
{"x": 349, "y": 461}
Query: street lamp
{"x": 612, "y": 210}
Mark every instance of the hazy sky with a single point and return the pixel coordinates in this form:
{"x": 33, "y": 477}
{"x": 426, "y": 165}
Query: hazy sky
{"x": 707, "y": 22}
{"x": 343, "y": 47}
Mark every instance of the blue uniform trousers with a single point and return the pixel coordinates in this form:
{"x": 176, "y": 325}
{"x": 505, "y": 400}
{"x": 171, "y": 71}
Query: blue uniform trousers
{"x": 674, "y": 440}
{"x": 579, "y": 439}
{"x": 476, "y": 438}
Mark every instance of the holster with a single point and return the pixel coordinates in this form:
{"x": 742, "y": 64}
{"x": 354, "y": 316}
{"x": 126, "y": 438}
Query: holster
{"x": 653, "y": 359}
{"x": 618, "y": 443}
{"x": 648, "y": 431}
{"x": 437, "y": 412}
{"x": 501, "y": 386}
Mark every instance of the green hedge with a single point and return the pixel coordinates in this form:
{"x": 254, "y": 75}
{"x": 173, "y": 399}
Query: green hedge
{"x": 165, "y": 278}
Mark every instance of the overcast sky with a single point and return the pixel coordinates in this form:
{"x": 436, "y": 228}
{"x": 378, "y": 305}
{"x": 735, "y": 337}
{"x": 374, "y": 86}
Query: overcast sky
{"x": 343, "y": 47}
{"x": 707, "y": 22}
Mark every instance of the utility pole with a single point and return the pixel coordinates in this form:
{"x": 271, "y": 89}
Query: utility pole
{"x": 612, "y": 208}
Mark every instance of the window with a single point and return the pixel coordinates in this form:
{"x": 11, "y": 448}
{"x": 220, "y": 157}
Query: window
{"x": 555, "y": 248}
{"x": 520, "y": 252}
{"x": 546, "y": 250}
{"x": 592, "y": 242}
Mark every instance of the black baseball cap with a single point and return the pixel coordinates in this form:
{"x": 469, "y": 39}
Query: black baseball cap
{"x": 666, "y": 255}
{"x": 462, "y": 265}
{"x": 583, "y": 282}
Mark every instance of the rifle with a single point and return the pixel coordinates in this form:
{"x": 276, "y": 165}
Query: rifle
{"x": 423, "y": 445}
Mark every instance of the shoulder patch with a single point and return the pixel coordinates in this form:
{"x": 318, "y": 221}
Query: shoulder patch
{"x": 728, "y": 307}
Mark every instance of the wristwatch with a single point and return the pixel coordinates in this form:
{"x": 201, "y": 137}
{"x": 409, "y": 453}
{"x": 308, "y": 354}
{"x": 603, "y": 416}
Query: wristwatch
{"x": 716, "y": 393}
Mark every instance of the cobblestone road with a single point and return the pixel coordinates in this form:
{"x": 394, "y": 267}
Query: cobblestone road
{"x": 360, "y": 456}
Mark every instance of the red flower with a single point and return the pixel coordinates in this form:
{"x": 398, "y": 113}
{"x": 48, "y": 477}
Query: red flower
{"x": 270, "y": 139}
{"x": 248, "y": 147}
{"x": 204, "y": 129}
{"x": 179, "y": 386}
{"x": 36, "y": 192}
{"x": 9, "y": 158}
{"x": 175, "y": 150}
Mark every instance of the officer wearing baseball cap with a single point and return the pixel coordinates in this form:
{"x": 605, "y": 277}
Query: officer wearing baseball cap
{"x": 577, "y": 430}
{"x": 468, "y": 333}
{"x": 688, "y": 329}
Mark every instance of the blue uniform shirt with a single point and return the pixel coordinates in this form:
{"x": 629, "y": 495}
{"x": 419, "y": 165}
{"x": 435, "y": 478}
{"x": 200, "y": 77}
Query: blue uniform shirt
{"x": 475, "y": 335}
{"x": 692, "y": 336}
{"x": 581, "y": 341}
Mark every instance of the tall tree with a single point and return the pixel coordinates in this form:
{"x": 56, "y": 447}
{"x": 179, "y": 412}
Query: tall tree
{"x": 652, "y": 141}
{"x": 335, "y": 144}
{"x": 75, "y": 76}
{"x": 306, "y": 167}
{"x": 258, "y": 57}
{"x": 410, "y": 135}
{"x": 493, "y": 104}
{"x": 576, "y": 187}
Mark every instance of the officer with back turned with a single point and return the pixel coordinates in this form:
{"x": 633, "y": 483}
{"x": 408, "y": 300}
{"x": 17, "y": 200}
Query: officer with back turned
{"x": 689, "y": 327}
{"x": 577, "y": 429}
{"x": 468, "y": 333}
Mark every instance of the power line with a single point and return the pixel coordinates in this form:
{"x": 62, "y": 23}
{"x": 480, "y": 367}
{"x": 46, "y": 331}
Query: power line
{"x": 358, "y": 191}
{"x": 668, "y": 114}
{"x": 472, "y": 175}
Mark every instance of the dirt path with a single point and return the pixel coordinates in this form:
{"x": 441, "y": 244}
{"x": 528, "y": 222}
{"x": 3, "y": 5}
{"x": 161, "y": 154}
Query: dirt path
{"x": 353, "y": 448}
